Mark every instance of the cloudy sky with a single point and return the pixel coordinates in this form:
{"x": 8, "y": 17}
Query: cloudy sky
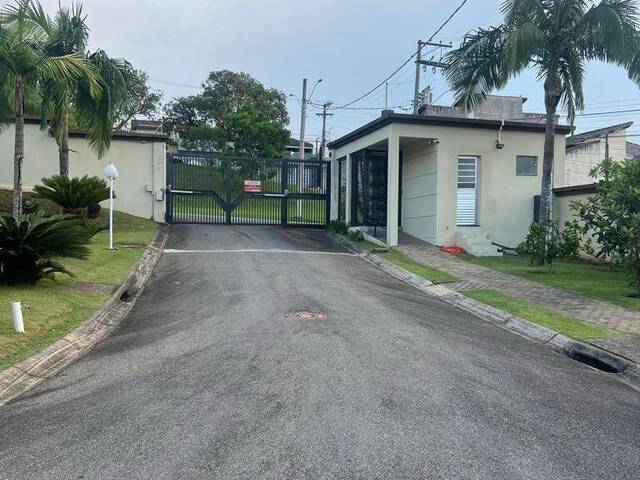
{"x": 351, "y": 44}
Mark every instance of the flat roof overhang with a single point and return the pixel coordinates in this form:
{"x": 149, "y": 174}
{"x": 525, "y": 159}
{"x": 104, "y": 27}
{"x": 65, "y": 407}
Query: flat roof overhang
{"x": 441, "y": 121}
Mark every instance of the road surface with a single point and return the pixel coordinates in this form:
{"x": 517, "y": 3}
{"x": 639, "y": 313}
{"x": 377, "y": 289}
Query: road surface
{"x": 213, "y": 376}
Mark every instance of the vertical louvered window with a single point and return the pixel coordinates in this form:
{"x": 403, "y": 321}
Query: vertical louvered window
{"x": 467, "y": 196}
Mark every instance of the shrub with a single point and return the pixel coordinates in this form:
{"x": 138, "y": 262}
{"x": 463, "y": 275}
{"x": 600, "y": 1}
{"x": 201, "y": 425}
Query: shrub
{"x": 75, "y": 194}
{"x": 356, "y": 236}
{"x": 27, "y": 245}
{"x": 547, "y": 237}
{"x": 339, "y": 227}
{"x": 611, "y": 216}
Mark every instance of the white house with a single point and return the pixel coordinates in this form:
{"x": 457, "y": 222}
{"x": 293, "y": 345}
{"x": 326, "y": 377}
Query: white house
{"x": 444, "y": 178}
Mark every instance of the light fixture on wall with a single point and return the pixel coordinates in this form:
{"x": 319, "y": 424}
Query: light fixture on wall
{"x": 112, "y": 173}
{"x": 499, "y": 144}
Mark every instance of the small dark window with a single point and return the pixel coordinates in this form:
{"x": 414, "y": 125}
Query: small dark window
{"x": 526, "y": 165}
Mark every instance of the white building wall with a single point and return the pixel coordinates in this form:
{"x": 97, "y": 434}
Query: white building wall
{"x": 581, "y": 160}
{"x": 141, "y": 166}
{"x": 420, "y": 190}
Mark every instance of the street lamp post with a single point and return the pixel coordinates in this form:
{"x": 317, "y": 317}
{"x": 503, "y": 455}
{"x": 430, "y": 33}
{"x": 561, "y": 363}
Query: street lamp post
{"x": 111, "y": 172}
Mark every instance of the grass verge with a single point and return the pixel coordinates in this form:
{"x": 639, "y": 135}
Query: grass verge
{"x": 399, "y": 259}
{"x": 589, "y": 279}
{"x": 571, "y": 327}
{"x": 53, "y": 308}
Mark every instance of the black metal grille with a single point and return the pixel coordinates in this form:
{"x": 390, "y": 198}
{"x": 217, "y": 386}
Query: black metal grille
{"x": 369, "y": 188}
{"x": 342, "y": 188}
{"x": 210, "y": 188}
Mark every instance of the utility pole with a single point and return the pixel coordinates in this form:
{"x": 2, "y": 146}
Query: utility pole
{"x": 416, "y": 90}
{"x": 429, "y": 63}
{"x": 324, "y": 115}
{"x": 303, "y": 118}
{"x": 300, "y": 170}
{"x": 386, "y": 95}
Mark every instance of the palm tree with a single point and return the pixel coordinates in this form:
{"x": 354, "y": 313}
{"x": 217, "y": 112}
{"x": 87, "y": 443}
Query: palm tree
{"x": 68, "y": 34}
{"x": 557, "y": 38}
{"x": 24, "y": 66}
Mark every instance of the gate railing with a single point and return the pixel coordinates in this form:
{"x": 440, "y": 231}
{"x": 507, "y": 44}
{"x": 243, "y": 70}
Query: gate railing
{"x": 211, "y": 188}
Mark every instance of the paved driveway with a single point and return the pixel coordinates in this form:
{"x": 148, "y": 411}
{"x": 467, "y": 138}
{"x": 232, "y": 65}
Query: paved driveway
{"x": 211, "y": 377}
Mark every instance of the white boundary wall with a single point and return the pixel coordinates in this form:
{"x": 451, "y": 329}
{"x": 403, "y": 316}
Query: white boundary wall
{"x": 140, "y": 161}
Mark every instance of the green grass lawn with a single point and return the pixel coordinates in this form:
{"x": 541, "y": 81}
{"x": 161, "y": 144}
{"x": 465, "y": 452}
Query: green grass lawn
{"x": 399, "y": 259}
{"x": 257, "y": 208}
{"x": 586, "y": 278}
{"x": 53, "y": 308}
{"x": 566, "y": 325}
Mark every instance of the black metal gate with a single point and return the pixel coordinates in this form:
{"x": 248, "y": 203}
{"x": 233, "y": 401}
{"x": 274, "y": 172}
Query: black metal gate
{"x": 211, "y": 188}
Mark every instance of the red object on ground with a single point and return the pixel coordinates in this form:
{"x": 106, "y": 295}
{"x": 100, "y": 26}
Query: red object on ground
{"x": 453, "y": 249}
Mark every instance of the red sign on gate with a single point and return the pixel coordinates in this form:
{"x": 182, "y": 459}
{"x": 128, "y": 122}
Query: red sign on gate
{"x": 253, "y": 186}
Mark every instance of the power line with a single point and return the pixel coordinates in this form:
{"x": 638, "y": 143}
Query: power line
{"x": 405, "y": 62}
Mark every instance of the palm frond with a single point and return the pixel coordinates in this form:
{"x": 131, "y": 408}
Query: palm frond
{"x": 478, "y": 66}
{"x": 609, "y": 32}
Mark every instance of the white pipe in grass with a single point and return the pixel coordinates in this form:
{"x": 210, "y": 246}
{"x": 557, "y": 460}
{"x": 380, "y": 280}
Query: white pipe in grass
{"x": 16, "y": 315}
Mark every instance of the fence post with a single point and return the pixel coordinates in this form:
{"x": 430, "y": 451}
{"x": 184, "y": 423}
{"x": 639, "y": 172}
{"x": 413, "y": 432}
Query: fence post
{"x": 168, "y": 214}
{"x": 284, "y": 182}
{"x": 327, "y": 192}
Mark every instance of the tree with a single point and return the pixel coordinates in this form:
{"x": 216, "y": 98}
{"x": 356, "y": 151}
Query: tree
{"x": 611, "y": 215}
{"x": 140, "y": 99}
{"x": 221, "y": 110}
{"x": 557, "y": 38}
{"x": 25, "y": 65}
{"x": 125, "y": 92}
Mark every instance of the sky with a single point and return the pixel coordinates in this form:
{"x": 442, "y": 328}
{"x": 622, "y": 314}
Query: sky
{"x": 351, "y": 45}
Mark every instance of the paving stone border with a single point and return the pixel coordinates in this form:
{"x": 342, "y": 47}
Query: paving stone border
{"x": 627, "y": 370}
{"x": 16, "y": 380}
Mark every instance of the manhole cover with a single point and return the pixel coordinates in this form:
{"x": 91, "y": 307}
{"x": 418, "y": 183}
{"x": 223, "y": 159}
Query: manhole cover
{"x": 306, "y": 315}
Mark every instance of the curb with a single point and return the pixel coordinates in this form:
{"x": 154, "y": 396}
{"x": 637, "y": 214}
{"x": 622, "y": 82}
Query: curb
{"x": 624, "y": 369}
{"x": 19, "y": 378}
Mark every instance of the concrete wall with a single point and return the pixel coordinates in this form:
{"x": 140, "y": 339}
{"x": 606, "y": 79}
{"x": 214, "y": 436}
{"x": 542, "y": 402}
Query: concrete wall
{"x": 141, "y": 166}
{"x": 562, "y": 212}
{"x": 582, "y": 159}
{"x": 505, "y": 199}
{"x": 419, "y": 190}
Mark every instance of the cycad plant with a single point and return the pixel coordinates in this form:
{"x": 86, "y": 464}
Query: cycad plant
{"x": 25, "y": 66}
{"x": 28, "y": 246}
{"x": 556, "y": 38}
{"x": 73, "y": 195}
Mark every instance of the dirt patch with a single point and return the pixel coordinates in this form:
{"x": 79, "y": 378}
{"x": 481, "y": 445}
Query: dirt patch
{"x": 91, "y": 287}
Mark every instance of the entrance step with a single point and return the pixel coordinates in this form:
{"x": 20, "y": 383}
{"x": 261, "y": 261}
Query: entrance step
{"x": 475, "y": 242}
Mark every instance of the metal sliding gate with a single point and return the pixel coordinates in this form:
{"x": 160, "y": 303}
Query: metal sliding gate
{"x": 211, "y": 188}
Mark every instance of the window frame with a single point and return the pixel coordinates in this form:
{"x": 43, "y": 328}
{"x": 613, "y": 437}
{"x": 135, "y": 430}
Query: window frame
{"x": 535, "y": 164}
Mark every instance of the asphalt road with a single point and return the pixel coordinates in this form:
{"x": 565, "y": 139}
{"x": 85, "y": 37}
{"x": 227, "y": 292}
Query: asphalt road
{"x": 211, "y": 377}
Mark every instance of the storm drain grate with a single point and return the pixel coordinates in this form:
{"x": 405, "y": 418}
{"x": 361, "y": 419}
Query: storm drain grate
{"x": 306, "y": 315}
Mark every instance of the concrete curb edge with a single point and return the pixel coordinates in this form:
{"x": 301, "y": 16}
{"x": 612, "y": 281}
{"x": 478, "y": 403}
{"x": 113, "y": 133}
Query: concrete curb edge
{"x": 629, "y": 371}
{"x": 19, "y": 378}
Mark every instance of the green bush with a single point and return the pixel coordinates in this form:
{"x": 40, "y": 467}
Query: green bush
{"x": 547, "y": 237}
{"x": 28, "y": 245}
{"x": 339, "y": 227}
{"x": 75, "y": 194}
{"x": 356, "y": 236}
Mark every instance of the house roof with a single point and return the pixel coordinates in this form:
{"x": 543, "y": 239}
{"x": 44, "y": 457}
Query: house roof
{"x": 586, "y": 137}
{"x": 293, "y": 142}
{"x": 143, "y": 136}
{"x": 633, "y": 150}
{"x": 463, "y": 122}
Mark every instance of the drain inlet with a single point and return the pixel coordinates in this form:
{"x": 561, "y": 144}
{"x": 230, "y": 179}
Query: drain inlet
{"x": 596, "y": 359}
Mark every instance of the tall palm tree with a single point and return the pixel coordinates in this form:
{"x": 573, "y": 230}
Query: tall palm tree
{"x": 68, "y": 34}
{"x": 557, "y": 38}
{"x": 24, "y": 65}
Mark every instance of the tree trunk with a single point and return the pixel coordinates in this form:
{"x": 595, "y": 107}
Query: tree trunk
{"x": 552, "y": 93}
{"x": 18, "y": 156}
{"x": 63, "y": 148}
